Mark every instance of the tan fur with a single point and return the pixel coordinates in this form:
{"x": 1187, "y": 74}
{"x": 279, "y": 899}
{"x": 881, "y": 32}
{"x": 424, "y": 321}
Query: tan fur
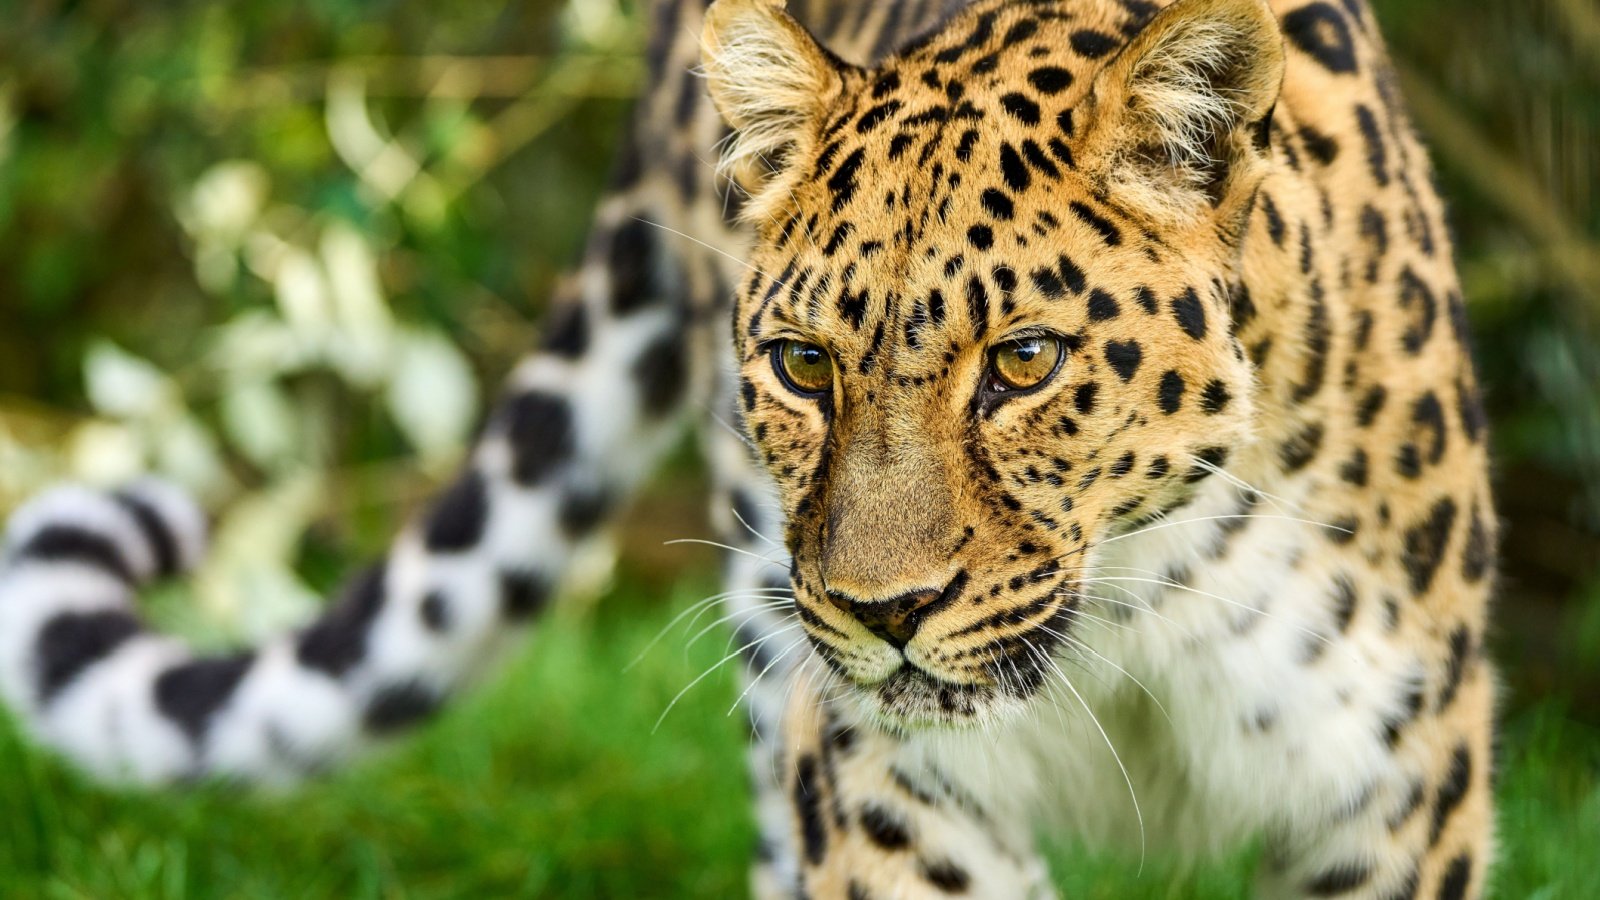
{"x": 1304, "y": 288}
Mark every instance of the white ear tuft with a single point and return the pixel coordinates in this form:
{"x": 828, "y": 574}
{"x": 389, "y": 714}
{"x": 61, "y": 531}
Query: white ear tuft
{"x": 771, "y": 81}
{"x": 1180, "y": 116}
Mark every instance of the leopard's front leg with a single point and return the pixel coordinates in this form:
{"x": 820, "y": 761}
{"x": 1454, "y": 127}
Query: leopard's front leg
{"x": 869, "y": 818}
{"x": 1426, "y": 831}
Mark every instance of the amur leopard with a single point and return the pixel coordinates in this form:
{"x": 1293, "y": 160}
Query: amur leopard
{"x": 1095, "y": 373}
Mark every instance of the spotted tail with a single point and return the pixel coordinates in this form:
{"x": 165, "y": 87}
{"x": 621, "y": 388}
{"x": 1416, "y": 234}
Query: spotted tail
{"x": 131, "y": 705}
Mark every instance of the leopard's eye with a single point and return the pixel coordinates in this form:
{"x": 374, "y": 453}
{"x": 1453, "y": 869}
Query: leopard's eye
{"x": 1020, "y": 364}
{"x": 806, "y": 368}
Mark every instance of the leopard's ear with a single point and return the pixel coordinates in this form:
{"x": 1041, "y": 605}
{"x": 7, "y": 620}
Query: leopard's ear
{"x": 773, "y": 84}
{"x": 1179, "y": 122}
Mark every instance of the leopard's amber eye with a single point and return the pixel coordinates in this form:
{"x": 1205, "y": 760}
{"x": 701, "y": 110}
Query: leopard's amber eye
{"x": 806, "y": 368}
{"x": 1025, "y": 362}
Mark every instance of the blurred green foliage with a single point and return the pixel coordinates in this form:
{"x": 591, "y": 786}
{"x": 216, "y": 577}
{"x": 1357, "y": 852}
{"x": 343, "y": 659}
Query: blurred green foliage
{"x": 268, "y": 248}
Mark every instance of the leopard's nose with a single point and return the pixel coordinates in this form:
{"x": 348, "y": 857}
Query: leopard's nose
{"x": 895, "y": 620}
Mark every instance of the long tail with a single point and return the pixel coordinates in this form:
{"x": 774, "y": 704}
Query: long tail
{"x": 132, "y": 705}
{"x": 578, "y": 426}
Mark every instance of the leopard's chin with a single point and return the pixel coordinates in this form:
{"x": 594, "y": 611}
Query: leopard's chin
{"x": 913, "y": 699}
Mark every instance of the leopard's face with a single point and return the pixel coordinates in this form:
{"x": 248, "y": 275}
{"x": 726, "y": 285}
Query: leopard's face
{"x": 966, "y": 364}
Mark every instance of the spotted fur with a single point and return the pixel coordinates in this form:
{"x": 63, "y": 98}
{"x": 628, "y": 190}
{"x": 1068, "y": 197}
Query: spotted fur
{"x": 1232, "y": 559}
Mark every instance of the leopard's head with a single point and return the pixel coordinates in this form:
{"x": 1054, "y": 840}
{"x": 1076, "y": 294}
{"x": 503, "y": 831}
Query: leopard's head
{"x": 986, "y": 323}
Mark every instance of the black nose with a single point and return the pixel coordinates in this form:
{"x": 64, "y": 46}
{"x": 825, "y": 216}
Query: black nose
{"x": 894, "y": 620}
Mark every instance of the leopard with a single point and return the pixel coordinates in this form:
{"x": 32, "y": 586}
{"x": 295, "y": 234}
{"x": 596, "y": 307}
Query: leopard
{"x": 1088, "y": 397}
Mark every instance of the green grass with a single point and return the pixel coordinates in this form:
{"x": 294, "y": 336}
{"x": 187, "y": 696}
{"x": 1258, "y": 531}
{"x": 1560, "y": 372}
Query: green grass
{"x": 549, "y": 782}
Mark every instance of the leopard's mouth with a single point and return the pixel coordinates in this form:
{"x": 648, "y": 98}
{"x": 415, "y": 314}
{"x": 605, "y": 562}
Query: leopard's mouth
{"x": 913, "y": 698}
{"x": 950, "y": 684}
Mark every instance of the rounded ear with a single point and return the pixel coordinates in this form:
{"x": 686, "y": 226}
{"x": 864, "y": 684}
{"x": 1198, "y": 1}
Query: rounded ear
{"x": 773, "y": 84}
{"x": 1180, "y": 120}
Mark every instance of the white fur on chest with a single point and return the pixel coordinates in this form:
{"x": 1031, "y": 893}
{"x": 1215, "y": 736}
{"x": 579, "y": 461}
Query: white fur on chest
{"x": 1233, "y": 703}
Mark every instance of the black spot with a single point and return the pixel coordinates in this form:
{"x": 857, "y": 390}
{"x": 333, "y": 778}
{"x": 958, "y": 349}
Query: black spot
{"x": 998, "y": 204}
{"x": 1170, "y": 394}
{"x": 1158, "y": 468}
{"x": 1427, "y": 414}
{"x": 1004, "y": 279}
{"x": 1418, "y": 302}
{"x": 1083, "y": 397}
{"x": 190, "y": 693}
{"x": 662, "y": 374}
{"x": 978, "y": 305}
{"x": 1455, "y": 665}
{"x": 1339, "y": 879}
{"x": 631, "y": 265}
{"x": 1323, "y": 148}
{"x": 1061, "y": 151}
{"x": 522, "y": 594}
{"x": 1425, "y": 543}
{"x": 163, "y": 546}
{"x": 1298, "y": 451}
{"x": 1102, "y": 226}
{"x": 981, "y": 236}
{"x": 583, "y": 509}
{"x": 69, "y": 543}
{"x": 1147, "y": 299}
{"x": 540, "y": 429}
{"x": 1092, "y": 44}
{"x": 1102, "y": 306}
{"x": 1275, "y": 228}
{"x": 1050, "y": 79}
{"x": 808, "y": 807}
{"x": 1371, "y": 403}
{"x": 843, "y": 180}
{"x": 1451, "y": 791}
{"x": 435, "y": 612}
{"x": 1410, "y": 706}
{"x": 837, "y": 239}
{"x": 1048, "y": 283}
{"x": 1122, "y": 466}
{"x": 398, "y": 706}
{"x": 1316, "y": 335}
{"x": 969, "y": 139}
{"x": 1124, "y": 357}
{"x": 1214, "y": 397}
{"x": 946, "y": 875}
{"x": 71, "y": 642}
{"x": 1038, "y": 160}
{"x": 1071, "y": 275}
{"x": 337, "y": 642}
{"x": 1021, "y": 108}
{"x": 1354, "y": 470}
{"x": 1322, "y": 33}
{"x": 1190, "y": 313}
{"x": 1344, "y": 602}
{"x": 1013, "y": 169}
{"x": 1020, "y": 32}
{"x": 566, "y": 333}
{"x": 458, "y": 519}
{"x": 875, "y": 116}
{"x": 884, "y": 828}
{"x": 1377, "y": 154}
{"x": 1476, "y": 556}
{"x": 1456, "y": 878}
